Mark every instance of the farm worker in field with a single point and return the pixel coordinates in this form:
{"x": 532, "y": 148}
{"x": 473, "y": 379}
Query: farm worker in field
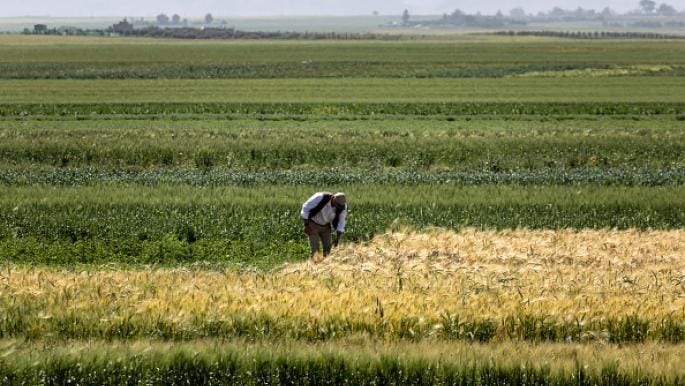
{"x": 319, "y": 212}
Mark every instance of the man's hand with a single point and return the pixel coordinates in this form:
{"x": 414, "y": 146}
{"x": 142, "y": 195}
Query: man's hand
{"x": 338, "y": 237}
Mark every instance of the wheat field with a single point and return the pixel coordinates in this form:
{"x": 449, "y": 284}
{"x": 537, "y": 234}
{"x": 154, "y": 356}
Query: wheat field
{"x": 555, "y": 285}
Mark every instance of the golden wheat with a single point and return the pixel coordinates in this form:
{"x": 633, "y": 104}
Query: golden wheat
{"x": 563, "y": 276}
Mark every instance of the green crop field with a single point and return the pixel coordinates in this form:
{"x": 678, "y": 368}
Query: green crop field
{"x": 626, "y": 89}
{"x": 517, "y": 211}
{"x": 30, "y": 57}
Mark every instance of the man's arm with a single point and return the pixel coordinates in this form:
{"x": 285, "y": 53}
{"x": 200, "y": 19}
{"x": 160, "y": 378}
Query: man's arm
{"x": 340, "y": 229}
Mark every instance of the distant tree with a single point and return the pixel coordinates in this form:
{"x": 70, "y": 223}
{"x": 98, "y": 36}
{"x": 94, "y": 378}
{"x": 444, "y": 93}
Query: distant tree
{"x": 581, "y": 13}
{"x": 499, "y": 14}
{"x": 405, "y": 17}
{"x": 648, "y": 6}
{"x": 607, "y": 12}
{"x": 375, "y": 12}
{"x": 176, "y": 19}
{"x": 40, "y": 29}
{"x": 557, "y": 12}
{"x": 209, "y": 18}
{"x": 666, "y": 10}
{"x": 162, "y": 19}
{"x": 517, "y": 12}
{"x": 458, "y": 13}
{"x": 122, "y": 27}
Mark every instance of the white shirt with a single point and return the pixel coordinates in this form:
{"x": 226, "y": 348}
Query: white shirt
{"x": 327, "y": 213}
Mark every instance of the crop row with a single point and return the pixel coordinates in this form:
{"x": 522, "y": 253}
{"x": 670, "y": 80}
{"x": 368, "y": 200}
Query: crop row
{"x": 242, "y": 363}
{"x": 228, "y": 177}
{"x": 383, "y": 153}
{"x": 563, "y": 285}
{"x": 291, "y": 70}
{"x": 94, "y": 110}
{"x": 455, "y": 51}
{"x": 338, "y": 96}
{"x": 24, "y": 320}
{"x": 253, "y": 224}
{"x": 368, "y": 128}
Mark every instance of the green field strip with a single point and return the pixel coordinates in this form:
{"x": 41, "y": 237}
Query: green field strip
{"x": 349, "y": 90}
{"x": 318, "y": 111}
{"x": 647, "y": 126}
{"x": 29, "y": 175}
{"x": 479, "y": 51}
{"x": 424, "y": 147}
{"x": 260, "y": 226}
{"x": 247, "y": 363}
{"x": 423, "y": 195}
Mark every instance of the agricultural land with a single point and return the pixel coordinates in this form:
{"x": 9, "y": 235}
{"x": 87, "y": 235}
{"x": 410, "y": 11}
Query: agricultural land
{"x": 517, "y": 211}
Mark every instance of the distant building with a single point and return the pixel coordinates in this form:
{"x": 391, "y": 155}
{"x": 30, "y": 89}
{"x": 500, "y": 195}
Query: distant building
{"x": 122, "y": 26}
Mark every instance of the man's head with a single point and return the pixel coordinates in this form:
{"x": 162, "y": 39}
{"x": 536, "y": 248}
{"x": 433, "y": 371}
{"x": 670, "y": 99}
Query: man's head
{"x": 339, "y": 200}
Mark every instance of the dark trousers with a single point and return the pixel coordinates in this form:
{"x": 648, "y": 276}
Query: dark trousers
{"x": 320, "y": 233}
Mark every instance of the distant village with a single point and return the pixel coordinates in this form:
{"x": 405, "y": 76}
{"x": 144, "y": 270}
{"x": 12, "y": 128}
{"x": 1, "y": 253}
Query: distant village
{"x": 647, "y": 15}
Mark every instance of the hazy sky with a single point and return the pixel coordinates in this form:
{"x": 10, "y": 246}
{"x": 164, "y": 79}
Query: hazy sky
{"x": 292, "y": 7}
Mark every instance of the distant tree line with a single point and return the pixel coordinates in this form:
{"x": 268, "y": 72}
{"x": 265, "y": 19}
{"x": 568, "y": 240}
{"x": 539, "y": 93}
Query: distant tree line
{"x": 462, "y": 19}
{"x": 42, "y": 29}
{"x": 175, "y": 20}
{"x": 231, "y": 33}
{"x": 124, "y": 28}
{"x": 649, "y": 14}
{"x": 590, "y": 35}
{"x": 644, "y": 23}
